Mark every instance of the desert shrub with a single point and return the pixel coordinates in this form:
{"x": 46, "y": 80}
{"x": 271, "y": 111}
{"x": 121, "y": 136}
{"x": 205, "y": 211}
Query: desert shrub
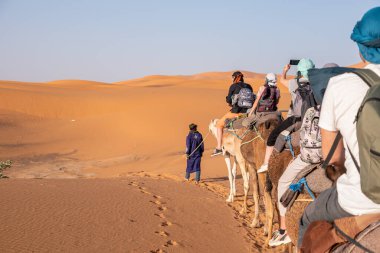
{"x": 4, "y": 165}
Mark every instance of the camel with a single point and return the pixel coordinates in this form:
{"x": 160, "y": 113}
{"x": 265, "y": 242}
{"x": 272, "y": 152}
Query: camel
{"x": 231, "y": 149}
{"x": 278, "y": 162}
{"x": 253, "y": 150}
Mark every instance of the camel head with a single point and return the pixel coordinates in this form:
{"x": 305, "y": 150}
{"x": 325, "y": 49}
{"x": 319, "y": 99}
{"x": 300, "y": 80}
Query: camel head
{"x": 212, "y": 127}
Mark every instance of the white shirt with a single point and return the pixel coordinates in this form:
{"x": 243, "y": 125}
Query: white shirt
{"x": 340, "y": 105}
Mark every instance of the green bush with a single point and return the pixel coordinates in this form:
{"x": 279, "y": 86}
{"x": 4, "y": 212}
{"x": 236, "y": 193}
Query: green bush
{"x": 4, "y": 165}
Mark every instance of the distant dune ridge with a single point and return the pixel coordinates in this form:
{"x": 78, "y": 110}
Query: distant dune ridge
{"x": 128, "y": 130}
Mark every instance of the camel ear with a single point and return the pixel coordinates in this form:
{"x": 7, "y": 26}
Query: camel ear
{"x": 267, "y": 124}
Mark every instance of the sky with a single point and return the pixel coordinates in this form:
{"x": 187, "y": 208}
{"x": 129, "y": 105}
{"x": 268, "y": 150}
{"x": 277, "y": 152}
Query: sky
{"x": 115, "y": 40}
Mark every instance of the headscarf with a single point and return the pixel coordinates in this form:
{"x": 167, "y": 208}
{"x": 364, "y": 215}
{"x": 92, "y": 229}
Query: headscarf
{"x": 366, "y": 34}
{"x": 193, "y": 127}
{"x": 271, "y": 79}
{"x": 304, "y": 65}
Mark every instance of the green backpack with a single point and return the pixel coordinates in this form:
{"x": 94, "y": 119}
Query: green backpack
{"x": 368, "y": 135}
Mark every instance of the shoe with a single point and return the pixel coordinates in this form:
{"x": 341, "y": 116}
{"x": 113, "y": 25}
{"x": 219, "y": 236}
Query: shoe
{"x": 279, "y": 239}
{"x": 217, "y": 152}
{"x": 263, "y": 168}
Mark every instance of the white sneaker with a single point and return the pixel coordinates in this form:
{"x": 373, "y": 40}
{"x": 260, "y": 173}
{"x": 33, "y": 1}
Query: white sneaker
{"x": 263, "y": 168}
{"x": 279, "y": 239}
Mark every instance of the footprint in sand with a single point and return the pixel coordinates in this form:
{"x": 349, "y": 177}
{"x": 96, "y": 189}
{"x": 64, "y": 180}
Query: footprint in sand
{"x": 133, "y": 183}
{"x": 162, "y": 233}
{"x": 157, "y": 197}
{"x": 157, "y": 251}
{"x": 161, "y": 215}
{"x": 145, "y": 192}
{"x": 156, "y": 202}
{"x": 171, "y": 243}
{"x": 162, "y": 208}
{"x": 166, "y": 224}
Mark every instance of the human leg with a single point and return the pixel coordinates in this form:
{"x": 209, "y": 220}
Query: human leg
{"x": 219, "y": 131}
{"x": 297, "y": 165}
{"x": 272, "y": 140}
{"x": 187, "y": 175}
{"x": 197, "y": 176}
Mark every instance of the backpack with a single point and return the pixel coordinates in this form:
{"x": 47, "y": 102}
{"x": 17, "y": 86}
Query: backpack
{"x": 304, "y": 99}
{"x": 268, "y": 101}
{"x": 245, "y": 98}
{"x": 319, "y": 78}
{"x": 310, "y": 136}
{"x": 368, "y": 135}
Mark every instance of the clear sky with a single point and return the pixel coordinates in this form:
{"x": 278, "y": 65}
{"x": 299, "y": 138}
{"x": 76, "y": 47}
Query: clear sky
{"x": 114, "y": 40}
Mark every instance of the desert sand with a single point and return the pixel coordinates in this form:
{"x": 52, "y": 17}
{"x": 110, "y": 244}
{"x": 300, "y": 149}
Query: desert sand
{"x": 111, "y": 159}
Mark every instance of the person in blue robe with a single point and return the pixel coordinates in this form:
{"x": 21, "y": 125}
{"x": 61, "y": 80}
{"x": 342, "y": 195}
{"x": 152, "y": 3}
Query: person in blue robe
{"x": 194, "y": 152}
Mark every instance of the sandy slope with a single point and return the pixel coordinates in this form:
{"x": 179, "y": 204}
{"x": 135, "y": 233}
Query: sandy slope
{"x": 86, "y": 129}
{"x": 133, "y": 214}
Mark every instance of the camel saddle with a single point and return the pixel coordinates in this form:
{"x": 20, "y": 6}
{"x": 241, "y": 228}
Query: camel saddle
{"x": 313, "y": 177}
{"x": 260, "y": 118}
{"x": 344, "y": 235}
{"x": 292, "y": 133}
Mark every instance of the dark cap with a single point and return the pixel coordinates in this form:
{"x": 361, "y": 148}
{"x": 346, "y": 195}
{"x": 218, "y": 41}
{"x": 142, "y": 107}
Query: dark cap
{"x": 192, "y": 127}
{"x": 237, "y": 73}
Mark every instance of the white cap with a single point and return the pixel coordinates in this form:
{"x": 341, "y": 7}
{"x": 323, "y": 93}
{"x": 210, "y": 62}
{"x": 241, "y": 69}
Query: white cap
{"x": 271, "y": 79}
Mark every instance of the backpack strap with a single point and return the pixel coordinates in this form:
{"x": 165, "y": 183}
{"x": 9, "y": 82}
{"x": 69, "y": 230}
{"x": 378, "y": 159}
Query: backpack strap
{"x": 371, "y": 79}
{"x": 368, "y": 76}
{"x": 332, "y": 150}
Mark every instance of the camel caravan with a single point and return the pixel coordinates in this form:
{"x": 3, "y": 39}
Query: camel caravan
{"x": 318, "y": 167}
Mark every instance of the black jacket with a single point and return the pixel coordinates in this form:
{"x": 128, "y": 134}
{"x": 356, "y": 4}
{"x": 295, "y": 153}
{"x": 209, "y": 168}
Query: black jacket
{"x": 234, "y": 89}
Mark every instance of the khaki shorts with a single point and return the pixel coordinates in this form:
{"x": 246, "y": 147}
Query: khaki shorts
{"x": 228, "y": 115}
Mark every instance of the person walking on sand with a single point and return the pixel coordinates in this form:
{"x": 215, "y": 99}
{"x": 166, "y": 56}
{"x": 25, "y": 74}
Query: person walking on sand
{"x": 194, "y": 152}
{"x": 241, "y": 98}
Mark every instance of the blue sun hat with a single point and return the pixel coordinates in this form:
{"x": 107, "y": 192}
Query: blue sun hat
{"x": 304, "y": 65}
{"x": 366, "y": 34}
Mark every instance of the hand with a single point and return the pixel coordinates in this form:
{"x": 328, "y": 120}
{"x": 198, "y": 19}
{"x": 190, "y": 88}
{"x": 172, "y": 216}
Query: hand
{"x": 286, "y": 68}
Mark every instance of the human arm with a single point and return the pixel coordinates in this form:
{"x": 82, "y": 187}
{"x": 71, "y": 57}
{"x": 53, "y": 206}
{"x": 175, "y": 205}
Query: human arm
{"x": 230, "y": 94}
{"x": 283, "y": 79}
{"x": 258, "y": 97}
{"x": 328, "y": 138}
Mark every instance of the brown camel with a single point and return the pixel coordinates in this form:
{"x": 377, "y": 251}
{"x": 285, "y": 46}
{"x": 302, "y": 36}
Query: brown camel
{"x": 253, "y": 149}
{"x": 278, "y": 163}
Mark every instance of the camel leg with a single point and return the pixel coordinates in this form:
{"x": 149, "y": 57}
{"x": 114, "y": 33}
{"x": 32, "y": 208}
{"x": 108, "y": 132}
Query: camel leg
{"x": 269, "y": 212}
{"x": 245, "y": 174}
{"x": 231, "y": 178}
{"x": 255, "y": 222}
{"x": 234, "y": 179}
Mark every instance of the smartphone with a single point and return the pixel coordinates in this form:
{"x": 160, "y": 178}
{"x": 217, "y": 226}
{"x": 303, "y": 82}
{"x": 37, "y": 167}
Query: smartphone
{"x": 294, "y": 62}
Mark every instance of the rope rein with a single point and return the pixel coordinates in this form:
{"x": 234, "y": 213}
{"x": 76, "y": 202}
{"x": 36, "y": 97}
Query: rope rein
{"x": 258, "y": 136}
{"x": 200, "y": 144}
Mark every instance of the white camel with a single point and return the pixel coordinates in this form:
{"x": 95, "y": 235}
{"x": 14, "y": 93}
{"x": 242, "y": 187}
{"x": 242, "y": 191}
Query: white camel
{"x": 231, "y": 148}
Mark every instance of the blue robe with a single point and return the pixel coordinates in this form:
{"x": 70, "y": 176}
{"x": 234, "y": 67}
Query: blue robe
{"x": 193, "y": 140}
